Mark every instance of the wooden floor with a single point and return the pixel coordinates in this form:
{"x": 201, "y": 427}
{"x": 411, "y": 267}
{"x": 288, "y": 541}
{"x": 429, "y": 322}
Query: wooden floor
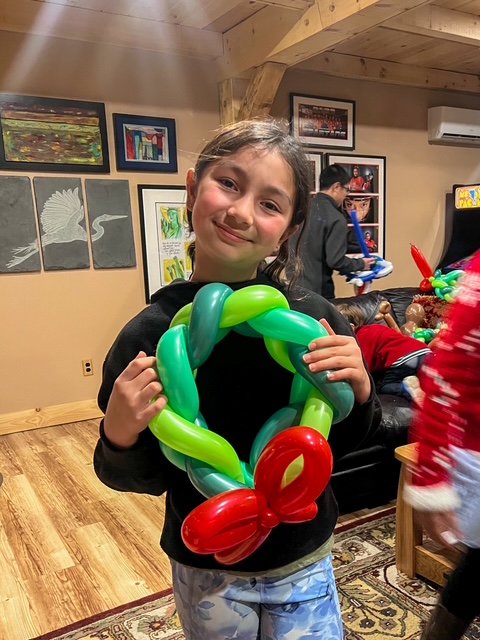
{"x": 69, "y": 546}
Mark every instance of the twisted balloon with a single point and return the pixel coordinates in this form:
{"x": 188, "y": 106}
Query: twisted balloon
{"x": 289, "y": 466}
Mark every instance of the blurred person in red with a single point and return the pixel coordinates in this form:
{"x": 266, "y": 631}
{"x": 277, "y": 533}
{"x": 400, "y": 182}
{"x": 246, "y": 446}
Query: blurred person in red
{"x": 445, "y": 483}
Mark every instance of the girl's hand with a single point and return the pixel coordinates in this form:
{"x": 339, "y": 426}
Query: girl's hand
{"x": 342, "y": 353}
{"x": 135, "y": 400}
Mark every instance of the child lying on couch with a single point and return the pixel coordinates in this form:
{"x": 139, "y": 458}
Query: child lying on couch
{"x": 390, "y": 356}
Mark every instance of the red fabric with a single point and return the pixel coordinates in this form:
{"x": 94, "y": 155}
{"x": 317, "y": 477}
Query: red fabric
{"x": 450, "y": 410}
{"x": 356, "y": 184}
{"x": 382, "y": 346}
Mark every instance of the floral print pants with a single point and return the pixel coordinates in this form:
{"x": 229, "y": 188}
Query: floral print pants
{"x": 216, "y": 605}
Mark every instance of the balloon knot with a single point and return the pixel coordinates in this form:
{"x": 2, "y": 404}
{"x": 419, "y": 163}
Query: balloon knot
{"x": 268, "y": 519}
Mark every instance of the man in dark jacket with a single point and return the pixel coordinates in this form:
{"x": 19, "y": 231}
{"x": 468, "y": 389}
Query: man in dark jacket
{"x": 323, "y": 243}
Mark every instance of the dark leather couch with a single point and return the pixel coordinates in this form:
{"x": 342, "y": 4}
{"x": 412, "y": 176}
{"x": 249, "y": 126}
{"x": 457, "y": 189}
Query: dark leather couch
{"x": 368, "y": 477}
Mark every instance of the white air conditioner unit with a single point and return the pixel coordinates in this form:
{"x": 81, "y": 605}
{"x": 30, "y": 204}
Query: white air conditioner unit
{"x": 450, "y": 125}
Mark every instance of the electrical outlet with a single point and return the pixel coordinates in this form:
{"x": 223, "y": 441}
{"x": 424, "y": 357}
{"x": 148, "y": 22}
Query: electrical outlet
{"x": 87, "y": 366}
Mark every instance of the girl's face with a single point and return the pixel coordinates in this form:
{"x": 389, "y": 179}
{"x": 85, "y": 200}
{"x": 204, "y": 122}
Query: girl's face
{"x": 241, "y": 207}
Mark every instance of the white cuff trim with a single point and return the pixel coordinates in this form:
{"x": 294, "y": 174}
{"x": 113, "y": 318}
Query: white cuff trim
{"x": 437, "y": 497}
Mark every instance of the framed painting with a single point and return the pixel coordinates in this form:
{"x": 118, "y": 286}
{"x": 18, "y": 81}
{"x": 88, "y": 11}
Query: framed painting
{"x": 323, "y": 122}
{"x": 165, "y": 236}
{"x": 316, "y": 166}
{"x": 50, "y": 134}
{"x": 144, "y": 143}
{"x": 366, "y": 196}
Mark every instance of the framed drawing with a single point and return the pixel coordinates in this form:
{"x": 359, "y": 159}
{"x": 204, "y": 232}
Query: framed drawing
{"x": 144, "y": 143}
{"x": 316, "y": 166}
{"x": 323, "y": 122}
{"x": 49, "y": 134}
{"x": 366, "y": 196}
{"x": 165, "y": 236}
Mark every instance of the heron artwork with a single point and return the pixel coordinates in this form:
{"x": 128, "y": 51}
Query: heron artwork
{"x": 60, "y": 222}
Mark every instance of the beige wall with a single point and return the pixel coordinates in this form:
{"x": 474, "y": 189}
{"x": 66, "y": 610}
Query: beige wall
{"x": 392, "y": 122}
{"x": 51, "y": 321}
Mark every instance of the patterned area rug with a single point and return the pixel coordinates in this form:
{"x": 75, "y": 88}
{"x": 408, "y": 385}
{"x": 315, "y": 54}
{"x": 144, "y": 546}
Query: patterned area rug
{"x": 377, "y": 602}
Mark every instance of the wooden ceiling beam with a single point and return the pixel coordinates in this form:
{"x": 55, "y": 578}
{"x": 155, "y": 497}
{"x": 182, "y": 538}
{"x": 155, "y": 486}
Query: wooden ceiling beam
{"x": 279, "y": 35}
{"x": 289, "y": 4}
{"x": 437, "y": 22}
{"x": 232, "y": 92}
{"x": 241, "y": 99}
{"x": 346, "y": 66}
{"x": 262, "y": 90}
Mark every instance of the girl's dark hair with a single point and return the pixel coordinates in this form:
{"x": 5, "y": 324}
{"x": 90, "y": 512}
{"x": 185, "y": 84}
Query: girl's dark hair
{"x": 264, "y": 134}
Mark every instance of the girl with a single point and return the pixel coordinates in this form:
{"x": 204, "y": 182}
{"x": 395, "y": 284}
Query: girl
{"x": 247, "y": 195}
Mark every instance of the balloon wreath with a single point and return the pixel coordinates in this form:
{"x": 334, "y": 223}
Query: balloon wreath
{"x": 289, "y": 466}
{"x": 362, "y": 280}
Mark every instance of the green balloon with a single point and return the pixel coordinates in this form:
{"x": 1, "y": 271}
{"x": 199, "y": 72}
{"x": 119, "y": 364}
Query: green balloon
{"x": 178, "y": 381}
{"x": 251, "y": 301}
{"x": 208, "y": 481}
{"x": 182, "y": 316}
{"x": 339, "y": 394}
{"x": 205, "y": 321}
{"x": 291, "y": 326}
{"x": 184, "y": 436}
{"x": 279, "y": 352}
{"x": 282, "y": 419}
{"x": 318, "y": 413}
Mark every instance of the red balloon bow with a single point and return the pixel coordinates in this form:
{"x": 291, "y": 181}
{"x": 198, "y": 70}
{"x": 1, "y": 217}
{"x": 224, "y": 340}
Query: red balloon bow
{"x": 234, "y": 524}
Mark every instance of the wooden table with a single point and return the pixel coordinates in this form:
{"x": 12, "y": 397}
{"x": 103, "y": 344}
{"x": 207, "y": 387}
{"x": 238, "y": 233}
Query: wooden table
{"x": 414, "y": 555}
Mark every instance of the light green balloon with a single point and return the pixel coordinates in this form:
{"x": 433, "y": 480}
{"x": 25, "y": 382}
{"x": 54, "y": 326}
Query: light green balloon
{"x": 187, "y": 438}
{"x": 247, "y": 303}
{"x": 182, "y": 316}
{"x": 317, "y": 413}
{"x": 279, "y": 352}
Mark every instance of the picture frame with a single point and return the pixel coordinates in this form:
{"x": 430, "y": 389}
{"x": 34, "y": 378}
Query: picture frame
{"x": 165, "y": 235}
{"x": 316, "y": 165}
{"x": 52, "y": 134}
{"x": 366, "y": 195}
{"x": 145, "y": 143}
{"x": 323, "y": 122}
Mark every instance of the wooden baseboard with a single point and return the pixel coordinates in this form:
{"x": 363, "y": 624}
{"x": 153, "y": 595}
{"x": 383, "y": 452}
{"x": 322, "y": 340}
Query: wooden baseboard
{"x": 49, "y": 416}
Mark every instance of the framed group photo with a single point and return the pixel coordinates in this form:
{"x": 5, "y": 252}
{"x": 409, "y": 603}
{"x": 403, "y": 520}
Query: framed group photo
{"x": 366, "y": 196}
{"x": 52, "y": 134}
{"x": 323, "y": 122}
{"x": 144, "y": 143}
{"x": 165, "y": 236}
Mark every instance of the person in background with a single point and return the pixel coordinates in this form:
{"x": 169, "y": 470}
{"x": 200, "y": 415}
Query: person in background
{"x": 445, "y": 482}
{"x": 370, "y": 242}
{"x": 357, "y": 181}
{"x": 247, "y": 195}
{"x": 322, "y": 244}
{"x": 390, "y": 356}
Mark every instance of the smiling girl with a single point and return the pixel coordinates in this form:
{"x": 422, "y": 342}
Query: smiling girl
{"x": 246, "y": 196}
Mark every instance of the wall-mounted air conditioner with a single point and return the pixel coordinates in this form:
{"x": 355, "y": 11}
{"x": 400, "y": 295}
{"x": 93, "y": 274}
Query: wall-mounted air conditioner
{"x": 453, "y": 126}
